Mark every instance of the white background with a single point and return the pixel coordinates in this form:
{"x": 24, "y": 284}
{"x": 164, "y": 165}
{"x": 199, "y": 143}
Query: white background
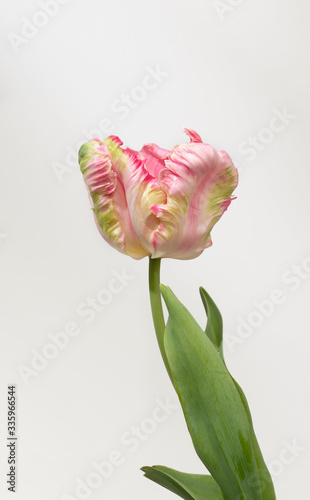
{"x": 227, "y": 70}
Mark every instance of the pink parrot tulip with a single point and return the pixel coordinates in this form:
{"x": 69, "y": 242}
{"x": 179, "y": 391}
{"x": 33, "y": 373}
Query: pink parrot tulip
{"x": 156, "y": 202}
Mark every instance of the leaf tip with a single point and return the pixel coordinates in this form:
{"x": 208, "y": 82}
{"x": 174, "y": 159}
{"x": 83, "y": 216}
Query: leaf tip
{"x": 166, "y": 292}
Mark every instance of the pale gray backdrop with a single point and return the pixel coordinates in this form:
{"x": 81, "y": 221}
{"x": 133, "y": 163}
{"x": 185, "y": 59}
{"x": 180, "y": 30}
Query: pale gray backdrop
{"x": 91, "y": 385}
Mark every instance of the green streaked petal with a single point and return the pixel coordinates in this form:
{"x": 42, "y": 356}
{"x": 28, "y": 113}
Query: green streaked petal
{"x": 100, "y": 169}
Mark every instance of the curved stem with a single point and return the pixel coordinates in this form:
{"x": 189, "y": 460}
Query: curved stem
{"x": 157, "y": 309}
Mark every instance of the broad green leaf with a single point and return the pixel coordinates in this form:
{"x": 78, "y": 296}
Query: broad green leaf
{"x": 214, "y": 412}
{"x": 266, "y": 483}
{"x": 187, "y": 486}
{"x": 214, "y": 331}
{"x": 214, "y": 328}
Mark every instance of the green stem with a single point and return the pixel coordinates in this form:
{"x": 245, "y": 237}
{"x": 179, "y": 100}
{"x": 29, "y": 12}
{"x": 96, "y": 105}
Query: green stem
{"x": 157, "y": 309}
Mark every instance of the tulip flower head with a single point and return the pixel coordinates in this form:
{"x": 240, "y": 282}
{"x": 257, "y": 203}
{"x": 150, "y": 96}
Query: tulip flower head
{"x": 156, "y": 202}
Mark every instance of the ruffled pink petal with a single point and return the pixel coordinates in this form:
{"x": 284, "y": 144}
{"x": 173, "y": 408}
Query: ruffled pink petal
{"x": 198, "y": 182}
{"x": 154, "y": 158}
{"x": 99, "y": 165}
{"x": 194, "y": 137}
